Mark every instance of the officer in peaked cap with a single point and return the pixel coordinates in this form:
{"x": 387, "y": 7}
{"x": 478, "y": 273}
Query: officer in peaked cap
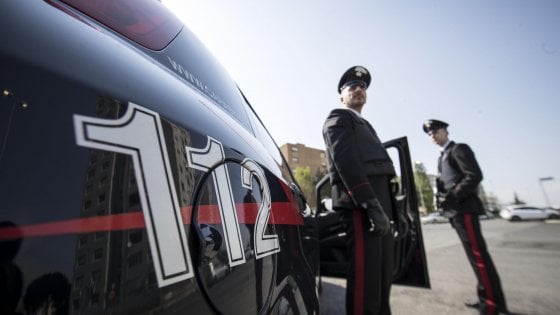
{"x": 457, "y": 183}
{"x": 360, "y": 172}
{"x": 433, "y": 125}
{"x": 354, "y": 75}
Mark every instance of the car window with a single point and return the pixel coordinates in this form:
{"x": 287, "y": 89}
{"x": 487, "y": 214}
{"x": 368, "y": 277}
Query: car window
{"x": 262, "y": 134}
{"x": 152, "y": 26}
{"x": 146, "y": 22}
{"x": 188, "y": 58}
{"x": 398, "y": 180}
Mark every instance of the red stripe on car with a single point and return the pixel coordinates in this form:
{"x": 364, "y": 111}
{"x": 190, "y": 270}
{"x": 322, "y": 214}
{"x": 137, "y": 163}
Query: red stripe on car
{"x": 282, "y": 214}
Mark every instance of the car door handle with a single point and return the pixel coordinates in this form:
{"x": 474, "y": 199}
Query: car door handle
{"x": 300, "y": 199}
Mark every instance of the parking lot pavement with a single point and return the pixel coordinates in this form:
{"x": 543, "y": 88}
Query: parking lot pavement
{"x": 526, "y": 254}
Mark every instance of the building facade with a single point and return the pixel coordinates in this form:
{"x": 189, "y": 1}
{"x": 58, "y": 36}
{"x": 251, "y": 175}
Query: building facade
{"x": 298, "y": 155}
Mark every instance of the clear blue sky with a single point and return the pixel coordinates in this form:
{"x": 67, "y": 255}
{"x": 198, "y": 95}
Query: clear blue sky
{"x": 489, "y": 68}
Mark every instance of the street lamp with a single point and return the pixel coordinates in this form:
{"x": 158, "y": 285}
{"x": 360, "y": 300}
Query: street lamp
{"x": 541, "y": 180}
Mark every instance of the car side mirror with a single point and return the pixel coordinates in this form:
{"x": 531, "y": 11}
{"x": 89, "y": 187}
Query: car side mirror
{"x": 300, "y": 198}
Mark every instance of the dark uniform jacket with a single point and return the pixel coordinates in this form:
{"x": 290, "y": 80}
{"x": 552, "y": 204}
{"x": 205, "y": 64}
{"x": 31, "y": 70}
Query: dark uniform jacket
{"x": 460, "y": 175}
{"x": 354, "y": 155}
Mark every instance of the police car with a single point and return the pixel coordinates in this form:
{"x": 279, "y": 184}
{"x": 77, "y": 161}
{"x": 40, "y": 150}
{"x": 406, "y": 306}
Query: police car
{"x": 136, "y": 178}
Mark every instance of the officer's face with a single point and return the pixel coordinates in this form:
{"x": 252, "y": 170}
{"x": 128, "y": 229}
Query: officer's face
{"x": 354, "y": 95}
{"x": 439, "y": 136}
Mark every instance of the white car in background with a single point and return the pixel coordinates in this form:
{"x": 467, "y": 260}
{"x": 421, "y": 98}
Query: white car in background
{"x": 524, "y": 212}
{"x": 434, "y": 217}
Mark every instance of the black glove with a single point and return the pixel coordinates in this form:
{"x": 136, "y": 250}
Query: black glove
{"x": 448, "y": 203}
{"x": 378, "y": 221}
{"x": 439, "y": 199}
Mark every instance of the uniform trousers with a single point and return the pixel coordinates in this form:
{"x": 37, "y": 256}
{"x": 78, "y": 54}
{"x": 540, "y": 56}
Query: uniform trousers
{"x": 489, "y": 288}
{"x": 370, "y": 272}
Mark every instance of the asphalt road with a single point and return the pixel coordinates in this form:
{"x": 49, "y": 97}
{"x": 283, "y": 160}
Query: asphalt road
{"x": 526, "y": 254}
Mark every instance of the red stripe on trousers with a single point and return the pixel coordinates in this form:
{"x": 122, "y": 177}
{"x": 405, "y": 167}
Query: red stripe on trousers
{"x": 359, "y": 275}
{"x": 481, "y": 266}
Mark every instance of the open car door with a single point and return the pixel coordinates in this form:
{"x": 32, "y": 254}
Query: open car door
{"x": 411, "y": 267}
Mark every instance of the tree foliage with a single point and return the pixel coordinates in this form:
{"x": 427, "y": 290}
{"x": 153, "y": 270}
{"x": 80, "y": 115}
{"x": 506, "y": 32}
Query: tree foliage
{"x": 307, "y": 182}
{"x": 492, "y": 203}
{"x": 516, "y": 200}
{"x": 424, "y": 190}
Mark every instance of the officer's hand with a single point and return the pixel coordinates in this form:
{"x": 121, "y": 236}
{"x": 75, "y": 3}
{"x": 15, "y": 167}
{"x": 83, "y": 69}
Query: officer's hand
{"x": 449, "y": 205}
{"x": 439, "y": 199}
{"x": 449, "y": 201}
{"x": 378, "y": 221}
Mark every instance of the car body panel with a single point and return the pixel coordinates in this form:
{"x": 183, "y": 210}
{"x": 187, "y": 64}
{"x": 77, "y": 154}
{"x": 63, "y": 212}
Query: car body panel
{"x": 131, "y": 185}
{"x": 410, "y": 259}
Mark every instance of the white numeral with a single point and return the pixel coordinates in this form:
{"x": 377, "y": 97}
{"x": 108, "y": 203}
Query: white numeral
{"x": 139, "y": 134}
{"x": 204, "y": 159}
{"x": 265, "y": 244}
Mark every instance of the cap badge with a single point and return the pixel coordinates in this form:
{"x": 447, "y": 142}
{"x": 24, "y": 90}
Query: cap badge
{"x": 360, "y": 71}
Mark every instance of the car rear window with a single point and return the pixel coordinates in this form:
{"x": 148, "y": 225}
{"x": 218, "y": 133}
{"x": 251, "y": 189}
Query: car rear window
{"x": 146, "y": 22}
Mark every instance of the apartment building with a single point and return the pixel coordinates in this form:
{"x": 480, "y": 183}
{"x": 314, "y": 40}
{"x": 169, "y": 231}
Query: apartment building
{"x": 298, "y": 155}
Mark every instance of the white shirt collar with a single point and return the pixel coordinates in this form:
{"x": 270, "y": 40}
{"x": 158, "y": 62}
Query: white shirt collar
{"x": 443, "y": 147}
{"x": 353, "y": 110}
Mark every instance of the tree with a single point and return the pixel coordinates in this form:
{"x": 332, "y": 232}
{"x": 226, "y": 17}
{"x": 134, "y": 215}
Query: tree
{"x": 489, "y": 200}
{"x": 482, "y": 194}
{"x": 305, "y": 182}
{"x": 492, "y": 203}
{"x": 424, "y": 190}
{"x": 516, "y": 200}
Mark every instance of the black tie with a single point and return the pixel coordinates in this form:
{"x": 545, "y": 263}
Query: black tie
{"x": 439, "y": 162}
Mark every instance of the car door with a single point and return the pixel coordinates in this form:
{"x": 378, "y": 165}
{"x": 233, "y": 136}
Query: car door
{"x": 410, "y": 259}
{"x": 536, "y": 213}
{"x": 529, "y": 213}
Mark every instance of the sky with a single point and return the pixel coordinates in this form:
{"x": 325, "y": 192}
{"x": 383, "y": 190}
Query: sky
{"x": 491, "y": 69}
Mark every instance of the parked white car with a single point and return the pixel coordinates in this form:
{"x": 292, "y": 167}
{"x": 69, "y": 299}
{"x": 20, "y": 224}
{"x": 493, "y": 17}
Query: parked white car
{"x": 518, "y": 213}
{"x": 434, "y": 217}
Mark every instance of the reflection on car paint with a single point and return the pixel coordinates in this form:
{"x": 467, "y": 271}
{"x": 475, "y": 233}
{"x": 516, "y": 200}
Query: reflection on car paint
{"x": 139, "y": 134}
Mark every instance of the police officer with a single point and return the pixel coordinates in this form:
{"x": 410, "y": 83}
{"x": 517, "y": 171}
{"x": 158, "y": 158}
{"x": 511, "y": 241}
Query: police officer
{"x": 360, "y": 171}
{"x": 457, "y": 183}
